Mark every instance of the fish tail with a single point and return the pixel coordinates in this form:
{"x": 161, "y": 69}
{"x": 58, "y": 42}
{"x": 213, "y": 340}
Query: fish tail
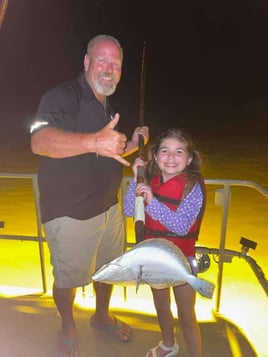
{"x": 204, "y": 287}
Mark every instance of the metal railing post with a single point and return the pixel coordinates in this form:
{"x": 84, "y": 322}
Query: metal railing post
{"x": 226, "y": 202}
{"x": 39, "y": 233}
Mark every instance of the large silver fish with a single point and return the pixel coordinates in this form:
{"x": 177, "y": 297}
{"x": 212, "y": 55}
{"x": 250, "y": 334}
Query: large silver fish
{"x": 156, "y": 262}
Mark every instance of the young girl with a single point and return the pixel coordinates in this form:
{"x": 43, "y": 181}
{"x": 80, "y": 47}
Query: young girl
{"x": 174, "y": 195}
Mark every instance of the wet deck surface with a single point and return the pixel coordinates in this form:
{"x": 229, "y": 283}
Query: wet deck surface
{"x": 29, "y": 325}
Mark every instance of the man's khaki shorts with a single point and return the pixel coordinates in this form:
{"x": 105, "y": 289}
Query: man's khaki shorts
{"x": 79, "y": 247}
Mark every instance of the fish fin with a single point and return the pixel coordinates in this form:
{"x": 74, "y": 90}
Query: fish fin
{"x": 204, "y": 287}
{"x": 138, "y": 280}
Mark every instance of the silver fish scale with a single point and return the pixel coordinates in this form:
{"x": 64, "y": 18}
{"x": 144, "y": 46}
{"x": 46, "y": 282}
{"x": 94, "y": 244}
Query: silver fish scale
{"x": 161, "y": 263}
{"x": 153, "y": 261}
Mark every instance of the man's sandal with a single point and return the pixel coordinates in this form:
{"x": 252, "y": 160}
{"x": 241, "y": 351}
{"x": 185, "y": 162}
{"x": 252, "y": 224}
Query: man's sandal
{"x": 172, "y": 351}
{"x": 112, "y": 329}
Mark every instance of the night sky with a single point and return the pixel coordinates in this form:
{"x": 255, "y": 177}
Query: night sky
{"x": 206, "y": 61}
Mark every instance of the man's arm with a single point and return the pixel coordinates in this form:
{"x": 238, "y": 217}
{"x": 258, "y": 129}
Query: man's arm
{"x": 57, "y": 143}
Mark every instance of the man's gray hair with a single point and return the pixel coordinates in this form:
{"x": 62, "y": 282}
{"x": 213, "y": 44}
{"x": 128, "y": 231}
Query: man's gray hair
{"x": 103, "y": 37}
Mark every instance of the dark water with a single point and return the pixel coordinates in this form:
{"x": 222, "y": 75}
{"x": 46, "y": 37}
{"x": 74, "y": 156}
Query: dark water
{"x": 229, "y": 151}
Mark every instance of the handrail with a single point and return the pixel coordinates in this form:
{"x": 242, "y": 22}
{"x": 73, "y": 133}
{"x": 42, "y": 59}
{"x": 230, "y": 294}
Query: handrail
{"x": 246, "y": 183}
{"x": 226, "y": 195}
{"x": 226, "y": 192}
{"x": 39, "y": 236}
{"x": 227, "y": 183}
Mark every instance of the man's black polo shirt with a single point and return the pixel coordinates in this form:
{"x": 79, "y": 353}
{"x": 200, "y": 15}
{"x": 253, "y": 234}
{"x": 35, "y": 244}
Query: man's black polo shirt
{"x": 82, "y": 186}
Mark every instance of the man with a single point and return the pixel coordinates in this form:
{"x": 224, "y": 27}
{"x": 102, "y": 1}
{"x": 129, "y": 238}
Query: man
{"x": 81, "y": 156}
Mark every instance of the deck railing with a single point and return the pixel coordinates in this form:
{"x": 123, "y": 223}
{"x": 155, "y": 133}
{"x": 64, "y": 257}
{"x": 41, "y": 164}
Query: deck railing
{"x": 222, "y": 198}
{"x": 39, "y": 238}
{"x": 223, "y": 194}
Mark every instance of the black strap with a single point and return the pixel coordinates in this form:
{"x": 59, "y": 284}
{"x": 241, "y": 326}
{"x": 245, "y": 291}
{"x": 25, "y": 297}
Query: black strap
{"x": 167, "y": 199}
{"x": 152, "y": 232}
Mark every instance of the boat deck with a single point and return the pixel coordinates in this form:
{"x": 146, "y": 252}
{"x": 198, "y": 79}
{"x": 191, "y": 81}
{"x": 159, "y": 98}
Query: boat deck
{"x": 29, "y": 325}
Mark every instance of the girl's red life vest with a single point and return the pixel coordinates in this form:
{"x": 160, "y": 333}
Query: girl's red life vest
{"x": 170, "y": 193}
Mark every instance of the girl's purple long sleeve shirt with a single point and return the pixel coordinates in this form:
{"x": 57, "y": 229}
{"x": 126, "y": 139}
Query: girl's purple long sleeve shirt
{"x": 179, "y": 221}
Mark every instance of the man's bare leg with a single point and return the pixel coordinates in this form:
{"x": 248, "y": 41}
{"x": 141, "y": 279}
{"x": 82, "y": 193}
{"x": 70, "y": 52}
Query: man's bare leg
{"x": 68, "y": 339}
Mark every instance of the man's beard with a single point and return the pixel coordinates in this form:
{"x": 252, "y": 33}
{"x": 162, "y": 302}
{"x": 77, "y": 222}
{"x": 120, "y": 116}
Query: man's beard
{"x": 105, "y": 89}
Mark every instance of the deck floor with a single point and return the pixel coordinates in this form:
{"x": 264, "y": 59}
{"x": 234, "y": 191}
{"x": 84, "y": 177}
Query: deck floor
{"x": 29, "y": 325}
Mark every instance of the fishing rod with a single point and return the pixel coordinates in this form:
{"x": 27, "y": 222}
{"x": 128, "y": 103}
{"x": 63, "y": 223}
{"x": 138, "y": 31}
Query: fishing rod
{"x": 139, "y": 217}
